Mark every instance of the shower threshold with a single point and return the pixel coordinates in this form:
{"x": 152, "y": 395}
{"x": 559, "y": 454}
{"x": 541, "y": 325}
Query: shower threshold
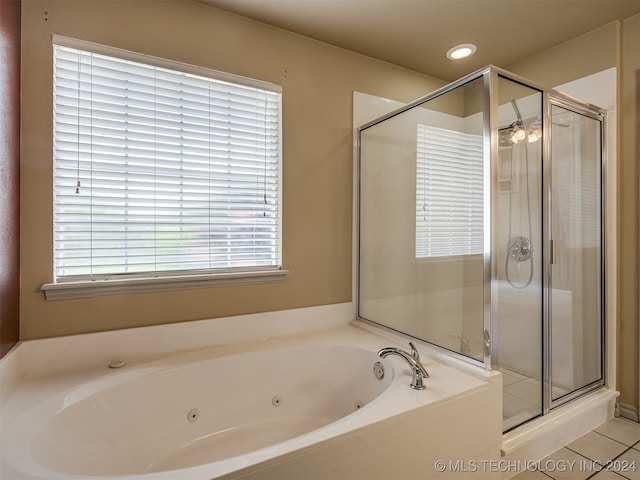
{"x": 542, "y": 436}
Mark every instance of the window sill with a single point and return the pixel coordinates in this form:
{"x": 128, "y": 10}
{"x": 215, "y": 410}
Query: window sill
{"x": 93, "y": 288}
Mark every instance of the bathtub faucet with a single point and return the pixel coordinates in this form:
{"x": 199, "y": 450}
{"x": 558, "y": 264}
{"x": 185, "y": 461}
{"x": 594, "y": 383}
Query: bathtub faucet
{"x": 413, "y": 359}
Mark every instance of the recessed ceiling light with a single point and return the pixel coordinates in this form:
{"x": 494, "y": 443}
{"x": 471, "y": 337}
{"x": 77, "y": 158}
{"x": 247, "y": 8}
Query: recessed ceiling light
{"x": 461, "y": 51}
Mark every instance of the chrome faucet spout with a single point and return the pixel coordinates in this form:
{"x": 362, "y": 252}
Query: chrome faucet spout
{"x": 418, "y": 371}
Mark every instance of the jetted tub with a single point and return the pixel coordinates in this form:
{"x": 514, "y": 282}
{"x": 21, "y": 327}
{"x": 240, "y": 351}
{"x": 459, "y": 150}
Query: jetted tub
{"x": 218, "y": 411}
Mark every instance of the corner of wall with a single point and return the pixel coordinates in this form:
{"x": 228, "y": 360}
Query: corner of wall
{"x": 10, "y": 176}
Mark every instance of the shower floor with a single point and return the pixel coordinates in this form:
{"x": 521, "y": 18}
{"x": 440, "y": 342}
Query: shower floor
{"x": 521, "y": 397}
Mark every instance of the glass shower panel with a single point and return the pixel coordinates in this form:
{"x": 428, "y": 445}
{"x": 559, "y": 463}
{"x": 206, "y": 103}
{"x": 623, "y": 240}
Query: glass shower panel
{"x": 490, "y": 158}
{"x": 576, "y": 269}
{"x": 421, "y": 221}
{"x": 517, "y": 251}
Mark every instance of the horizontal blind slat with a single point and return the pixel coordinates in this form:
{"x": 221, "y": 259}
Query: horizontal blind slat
{"x": 449, "y": 193}
{"x": 178, "y": 172}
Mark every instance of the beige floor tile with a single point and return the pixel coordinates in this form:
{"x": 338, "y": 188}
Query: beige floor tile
{"x": 516, "y": 411}
{"x": 514, "y": 406}
{"x": 567, "y": 465}
{"x": 527, "y": 391}
{"x": 597, "y": 447}
{"x": 516, "y": 375}
{"x": 605, "y": 475}
{"x": 627, "y": 464}
{"x": 621, "y": 430}
{"x": 509, "y": 378}
{"x": 608, "y": 445}
{"x": 557, "y": 392}
{"x": 534, "y": 475}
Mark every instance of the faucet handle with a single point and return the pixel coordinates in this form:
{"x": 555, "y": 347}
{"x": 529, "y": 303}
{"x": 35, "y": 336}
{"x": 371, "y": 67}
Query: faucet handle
{"x": 414, "y": 352}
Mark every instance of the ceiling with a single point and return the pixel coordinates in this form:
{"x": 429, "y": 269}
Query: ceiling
{"x": 416, "y": 34}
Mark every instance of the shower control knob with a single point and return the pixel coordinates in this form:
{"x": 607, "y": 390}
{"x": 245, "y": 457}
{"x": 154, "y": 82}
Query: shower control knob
{"x": 520, "y": 249}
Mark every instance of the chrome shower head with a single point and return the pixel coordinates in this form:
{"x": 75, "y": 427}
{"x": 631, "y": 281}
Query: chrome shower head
{"x": 514, "y": 133}
{"x": 504, "y": 137}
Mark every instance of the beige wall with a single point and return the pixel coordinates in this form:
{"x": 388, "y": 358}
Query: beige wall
{"x": 589, "y": 53}
{"x": 613, "y": 45}
{"x": 628, "y": 212}
{"x": 318, "y": 81}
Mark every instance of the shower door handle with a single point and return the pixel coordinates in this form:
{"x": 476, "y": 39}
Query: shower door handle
{"x": 487, "y": 343}
{"x": 552, "y": 252}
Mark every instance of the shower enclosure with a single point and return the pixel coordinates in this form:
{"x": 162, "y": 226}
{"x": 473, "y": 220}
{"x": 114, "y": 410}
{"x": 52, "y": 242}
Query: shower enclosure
{"x": 480, "y": 230}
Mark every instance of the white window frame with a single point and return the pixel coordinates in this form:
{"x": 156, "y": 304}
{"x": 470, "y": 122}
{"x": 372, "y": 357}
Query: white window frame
{"x": 105, "y": 284}
{"x": 449, "y": 193}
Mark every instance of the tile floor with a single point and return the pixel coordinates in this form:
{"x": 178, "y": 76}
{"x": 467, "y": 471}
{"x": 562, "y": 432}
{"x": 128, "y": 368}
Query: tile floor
{"x": 610, "y": 452}
{"x": 522, "y": 397}
{"x": 517, "y": 395}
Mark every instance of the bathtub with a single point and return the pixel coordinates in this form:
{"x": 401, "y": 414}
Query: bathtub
{"x": 281, "y": 407}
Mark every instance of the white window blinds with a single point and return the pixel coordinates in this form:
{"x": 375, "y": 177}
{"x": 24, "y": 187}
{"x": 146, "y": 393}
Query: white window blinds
{"x": 449, "y": 193}
{"x": 161, "y": 172}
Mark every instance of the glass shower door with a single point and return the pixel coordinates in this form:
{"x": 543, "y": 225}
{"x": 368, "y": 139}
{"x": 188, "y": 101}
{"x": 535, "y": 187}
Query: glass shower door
{"x": 575, "y": 298}
{"x": 517, "y": 249}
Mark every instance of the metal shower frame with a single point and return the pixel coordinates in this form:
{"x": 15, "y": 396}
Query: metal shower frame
{"x": 490, "y": 75}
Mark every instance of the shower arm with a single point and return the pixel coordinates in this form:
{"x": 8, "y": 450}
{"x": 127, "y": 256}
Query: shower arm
{"x": 517, "y": 110}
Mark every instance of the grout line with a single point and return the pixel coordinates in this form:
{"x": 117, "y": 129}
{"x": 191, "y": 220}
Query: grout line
{"x": 583, "y": 456}
{"x": 614, "y": 458}
{"x": 602, "y": 435}
{"x": 622, "y": 477}
{"x": 625, "y": 451}
{"x": 606, "y": 436}
{"x": 616, "y": 440}
{"x": 619, "y": 475}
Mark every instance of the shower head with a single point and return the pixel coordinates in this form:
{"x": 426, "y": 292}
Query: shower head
{"x": 516, "y": 132}
{"x": 504, "y": 137}
{"x": 512, "y": 134}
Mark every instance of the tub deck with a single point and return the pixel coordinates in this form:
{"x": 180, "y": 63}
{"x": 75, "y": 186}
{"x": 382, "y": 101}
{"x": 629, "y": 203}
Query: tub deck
{"x": 457, "y": 419}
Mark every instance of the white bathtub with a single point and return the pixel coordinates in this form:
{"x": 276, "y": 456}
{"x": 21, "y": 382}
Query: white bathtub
{"x": 234, "y": 410}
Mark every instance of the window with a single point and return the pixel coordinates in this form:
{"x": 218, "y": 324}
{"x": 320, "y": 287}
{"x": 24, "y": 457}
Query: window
{"x": 449, "y": 193}
{"x": 162, "y": 170}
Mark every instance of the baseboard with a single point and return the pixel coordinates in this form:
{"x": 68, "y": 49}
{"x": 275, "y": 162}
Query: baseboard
{"x": 627, "y": 411}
